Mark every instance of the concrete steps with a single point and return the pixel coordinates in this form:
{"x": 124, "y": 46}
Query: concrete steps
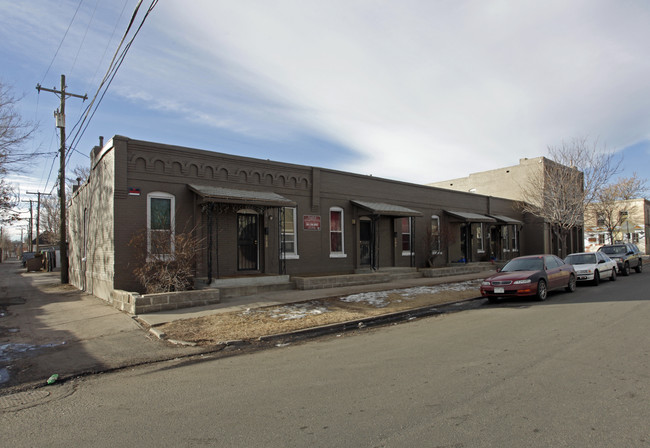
{"x": 251, "y": 285}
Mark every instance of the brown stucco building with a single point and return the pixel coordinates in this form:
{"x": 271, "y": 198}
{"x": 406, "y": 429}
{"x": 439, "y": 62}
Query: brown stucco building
{"x": 258, "y": 217}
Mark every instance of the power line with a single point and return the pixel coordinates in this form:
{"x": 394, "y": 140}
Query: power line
{"x": 115, "y": 64}
{"x": 83, "y": 39}
{"x": 62, "y": 39}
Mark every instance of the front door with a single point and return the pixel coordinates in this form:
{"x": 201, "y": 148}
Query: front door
{"x": 365, "y": 242}
{"x": 247, "y": 242}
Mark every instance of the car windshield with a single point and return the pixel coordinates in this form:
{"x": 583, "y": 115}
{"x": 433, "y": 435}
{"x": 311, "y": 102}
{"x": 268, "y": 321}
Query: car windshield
{"x": 613, "y": 250}
{"x": 524, "y": 264}
{"x": 581, "y": 259}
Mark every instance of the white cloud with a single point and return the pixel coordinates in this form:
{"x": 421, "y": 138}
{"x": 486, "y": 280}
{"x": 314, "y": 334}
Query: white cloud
{"x": 419, "y": 90}
{"x": 454, "y": 87}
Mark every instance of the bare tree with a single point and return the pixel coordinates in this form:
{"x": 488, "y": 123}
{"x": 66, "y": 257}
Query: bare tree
{"x": 612, "y": 205}
{"x": 560, "y": 190}
{"x": 79, "y": 175}
{"x": 50, "y": 219}
{"x": 9, "y": 200}
{"x": 161, "y": 268}
{"x": 14, "y": 133}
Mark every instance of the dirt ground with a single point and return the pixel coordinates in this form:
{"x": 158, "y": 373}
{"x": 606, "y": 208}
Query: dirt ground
{"x": 253, "y": 323}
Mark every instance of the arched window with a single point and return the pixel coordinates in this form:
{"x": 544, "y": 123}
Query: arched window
{"x": 337, "y": 240}
{"x": 160, "y": 224}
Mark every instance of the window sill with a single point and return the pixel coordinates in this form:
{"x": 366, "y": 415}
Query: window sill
{"x": 338, "y": 256}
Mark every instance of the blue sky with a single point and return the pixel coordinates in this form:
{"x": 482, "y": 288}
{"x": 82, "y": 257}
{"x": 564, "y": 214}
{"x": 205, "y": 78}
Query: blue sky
{"x": 415, "y": 90}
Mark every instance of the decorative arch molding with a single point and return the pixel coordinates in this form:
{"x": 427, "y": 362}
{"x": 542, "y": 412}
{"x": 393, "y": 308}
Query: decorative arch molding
{"x": 140, "y": 162}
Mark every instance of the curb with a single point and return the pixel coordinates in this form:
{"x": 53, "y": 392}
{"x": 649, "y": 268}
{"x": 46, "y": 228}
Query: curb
{"x": 411, "y": 314}
{"x": 311, "y": 332}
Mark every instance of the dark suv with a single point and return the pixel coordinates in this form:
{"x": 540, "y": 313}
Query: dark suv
{"x": 626, "y": 256}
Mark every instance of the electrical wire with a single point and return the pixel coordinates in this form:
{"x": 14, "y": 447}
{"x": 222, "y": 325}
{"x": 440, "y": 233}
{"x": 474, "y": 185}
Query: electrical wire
{"x": 108, "y": 42}
{"x": 83, "y": 39}
{"x": 114, "y": 66}
{"x": 62, "y": 40}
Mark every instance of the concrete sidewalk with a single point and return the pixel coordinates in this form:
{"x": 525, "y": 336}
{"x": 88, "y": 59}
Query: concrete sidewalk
{"x": 48, "y": 328}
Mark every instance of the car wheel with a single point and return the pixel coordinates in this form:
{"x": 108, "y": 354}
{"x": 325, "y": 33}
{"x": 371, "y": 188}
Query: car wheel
{"x": 612, "y": 278}
{"x": 596, "y": 278}
{"x": 572, "y": 284}
{"x": 639, "y": 267}
{"x": 542, "y": 292}
{"x": 626, "y": 269}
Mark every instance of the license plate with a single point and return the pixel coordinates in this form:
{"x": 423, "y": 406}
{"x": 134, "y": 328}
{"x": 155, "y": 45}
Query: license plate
{"x": 499, "y": 290}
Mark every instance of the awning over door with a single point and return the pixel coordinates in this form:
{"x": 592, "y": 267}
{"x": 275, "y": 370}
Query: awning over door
{"x": 507, "y": 219}
{"x": 230, "y": 196}
{"x": 380, "y": 208}
{"x": 470, "y": 217}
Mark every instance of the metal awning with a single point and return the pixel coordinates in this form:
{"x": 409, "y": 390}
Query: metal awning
{"x": 470, "y": 217}
{"x": 507, "y": 219}
{"x": 230, "y": 196}
{"x": 380, "y": 208}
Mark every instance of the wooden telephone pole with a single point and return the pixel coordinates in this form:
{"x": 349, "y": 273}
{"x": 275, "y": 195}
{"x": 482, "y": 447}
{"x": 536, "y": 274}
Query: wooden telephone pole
{"x": 60, "y": 123}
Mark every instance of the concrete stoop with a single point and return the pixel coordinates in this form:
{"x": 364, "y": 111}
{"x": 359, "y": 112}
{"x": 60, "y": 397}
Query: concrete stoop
{"x": 458, "y": 270}
{"x": 248, "y": 286}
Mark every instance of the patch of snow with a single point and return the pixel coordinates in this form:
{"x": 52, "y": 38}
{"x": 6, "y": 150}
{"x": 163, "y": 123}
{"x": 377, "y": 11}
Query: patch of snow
{"x": 379, "y": 299}
{"x": 298, "y": 311}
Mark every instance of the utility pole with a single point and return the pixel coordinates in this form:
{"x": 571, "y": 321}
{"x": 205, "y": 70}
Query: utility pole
{"x": 29, "y": 230}
{"x": 60, "y": 123}
{"x": 38, "y": 215}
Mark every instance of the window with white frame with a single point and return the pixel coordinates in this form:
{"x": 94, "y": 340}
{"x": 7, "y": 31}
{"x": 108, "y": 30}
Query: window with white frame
{"x": 435, "y": 234}
{"x": 289, "y": 239}
{"x": 337, "y": 247}
{"x": 480, "y": 246}
{"x": 160, "y": 224}
{"x": 405, "y": 224}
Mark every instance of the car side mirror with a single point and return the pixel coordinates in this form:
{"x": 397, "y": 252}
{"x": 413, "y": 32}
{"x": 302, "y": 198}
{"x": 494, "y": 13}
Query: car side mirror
{"x": 630, "y": 253}
{"x": 601, "y": 261}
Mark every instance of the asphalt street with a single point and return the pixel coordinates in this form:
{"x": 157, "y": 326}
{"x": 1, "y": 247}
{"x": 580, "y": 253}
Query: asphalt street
{"x": 569, "y": 372}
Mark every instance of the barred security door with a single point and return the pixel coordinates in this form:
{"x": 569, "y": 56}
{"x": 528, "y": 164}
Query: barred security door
{"x": 247, "y": 242}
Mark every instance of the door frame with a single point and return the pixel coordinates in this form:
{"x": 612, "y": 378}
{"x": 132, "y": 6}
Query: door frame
{"x": 255, "y": 240}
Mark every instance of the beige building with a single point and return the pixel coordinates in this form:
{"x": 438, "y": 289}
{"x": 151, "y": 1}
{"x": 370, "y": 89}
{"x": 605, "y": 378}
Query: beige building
{"x": 502, "y": 183}
{"x": 630, "y": 221}
{"x": 510, "y": 183}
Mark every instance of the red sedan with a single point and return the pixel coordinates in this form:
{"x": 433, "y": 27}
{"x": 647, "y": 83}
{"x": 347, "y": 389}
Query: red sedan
{"x": 533, "y": 275}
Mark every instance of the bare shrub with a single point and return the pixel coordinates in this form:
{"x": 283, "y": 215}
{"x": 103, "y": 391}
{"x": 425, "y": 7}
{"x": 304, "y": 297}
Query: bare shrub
{"x": 165, "y": 267}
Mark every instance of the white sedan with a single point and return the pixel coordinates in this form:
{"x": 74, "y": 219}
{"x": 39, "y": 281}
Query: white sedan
{"x": 592, "y": 266}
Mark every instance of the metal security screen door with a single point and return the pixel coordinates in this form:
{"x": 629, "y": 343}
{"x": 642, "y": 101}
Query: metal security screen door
{"x": 247, "y": 242}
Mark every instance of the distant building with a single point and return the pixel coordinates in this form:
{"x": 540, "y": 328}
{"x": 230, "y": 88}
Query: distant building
{"x": 632, "y": 219}
{"x": 509, "y": 183}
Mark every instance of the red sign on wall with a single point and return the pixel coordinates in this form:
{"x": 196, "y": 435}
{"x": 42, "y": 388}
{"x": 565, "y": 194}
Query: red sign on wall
{"x": 311, "y": 222}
